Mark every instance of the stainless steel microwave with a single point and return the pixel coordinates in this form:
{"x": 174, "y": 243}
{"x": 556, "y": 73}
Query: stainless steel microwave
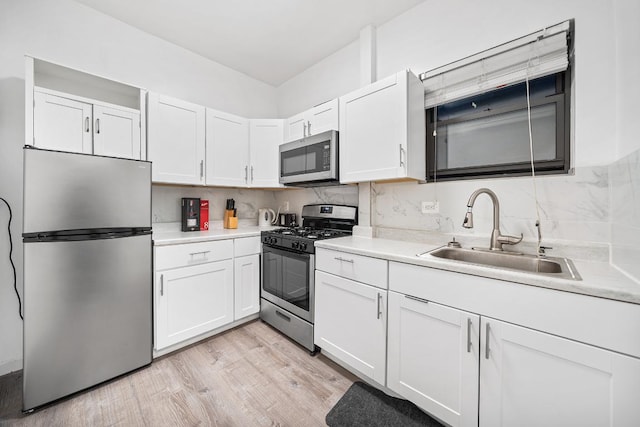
{"x": 310, "y": 161}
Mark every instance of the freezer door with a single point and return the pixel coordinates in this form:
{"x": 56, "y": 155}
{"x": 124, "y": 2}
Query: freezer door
{"x": 69, "y": 191}
{"x": 87, "y": 314}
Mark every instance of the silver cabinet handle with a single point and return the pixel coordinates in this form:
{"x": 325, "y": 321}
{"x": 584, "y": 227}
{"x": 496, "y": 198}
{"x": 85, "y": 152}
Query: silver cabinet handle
{"x": 252, "y": 174}
{"x": 308, "y": 128}
{"x": 97, "y": 125}
{"x": 401, "y": 156}
{"x": 86, "y": 124}
{"x": 469, "y": 335}
{"x": 201, "y": 168}
{"x": 246, "y": 173}
{"x": 411, "y": 297}
{"x": 343, "y": 260}
{"x": 486, "y": 343}
{"x": 304, "y": 129}
{"x": 379, "y": 301}
{"x": 199, "y": 253}
{"x": 162, "y": 285}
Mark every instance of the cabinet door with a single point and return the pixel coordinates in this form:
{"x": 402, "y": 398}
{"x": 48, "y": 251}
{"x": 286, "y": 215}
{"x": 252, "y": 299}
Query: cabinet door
{"x": 116, "y": 132}
{"x": 295, "y": 127}
{"x": 529, "y": 378}
{"x": 323, "y": 117}
{"x": 373, "y": 132}
{"x": 351, "y": 323}
{"x": 247, "y": 285}
{"x": 382, "y": 131}
{"x": 176, "y": 140}
{"x": 433, "y": 353}
{"x": 62, "y": 124}
{"x": 265, "y": 136}
{"x": 227, "y": 149}
{"x": 192, "y": 300}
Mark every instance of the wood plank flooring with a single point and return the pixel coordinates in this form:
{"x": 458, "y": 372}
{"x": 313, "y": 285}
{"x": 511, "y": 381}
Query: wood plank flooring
{"x": 248, "y": 376}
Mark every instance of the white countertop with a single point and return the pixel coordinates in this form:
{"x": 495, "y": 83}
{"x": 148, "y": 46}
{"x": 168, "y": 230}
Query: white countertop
{"x": 599, "y": 279}
{"x": 169, "y": 233}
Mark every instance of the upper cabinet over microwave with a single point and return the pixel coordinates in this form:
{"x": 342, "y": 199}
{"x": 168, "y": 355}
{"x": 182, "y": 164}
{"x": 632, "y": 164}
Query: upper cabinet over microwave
{"x": 318, "y": 119}
{"x": 382, "y": 131}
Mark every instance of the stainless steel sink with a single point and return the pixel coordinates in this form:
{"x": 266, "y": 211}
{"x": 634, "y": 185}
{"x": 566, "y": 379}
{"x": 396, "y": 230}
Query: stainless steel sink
{"x": 548, "y": 266}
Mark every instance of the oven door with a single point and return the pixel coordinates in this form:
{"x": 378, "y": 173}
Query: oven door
{"x": 288, "y": 280}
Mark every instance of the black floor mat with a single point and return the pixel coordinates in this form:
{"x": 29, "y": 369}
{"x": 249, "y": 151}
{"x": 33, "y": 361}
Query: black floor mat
{"x": 363, "y": 405}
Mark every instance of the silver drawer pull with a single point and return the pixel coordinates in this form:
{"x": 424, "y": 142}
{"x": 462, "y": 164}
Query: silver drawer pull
{"x": 417, "y": 299}
{"x": 162, "y": 285}
{"x": 199, "y": 253}
{"x": 343, "y": 260}
{"x": 468, "y": 335}
{"x": 379, "y": 301}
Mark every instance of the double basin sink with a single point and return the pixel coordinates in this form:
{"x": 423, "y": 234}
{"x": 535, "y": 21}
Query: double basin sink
{"x": 561, "y": 268}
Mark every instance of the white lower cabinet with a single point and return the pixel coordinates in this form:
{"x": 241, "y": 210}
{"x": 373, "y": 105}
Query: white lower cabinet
{"x": 447, "y": 359}
{"x": 530, "y": 378}
{"x": 247, "y": 285}
{"x": 193, "y": 300}
{"x": 433, "y": 358}
{"x": 351, "y": 323}
{"x": 200, "y": 287}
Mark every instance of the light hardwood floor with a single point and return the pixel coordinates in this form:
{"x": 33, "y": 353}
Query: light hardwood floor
{"x": 249, "y": 376}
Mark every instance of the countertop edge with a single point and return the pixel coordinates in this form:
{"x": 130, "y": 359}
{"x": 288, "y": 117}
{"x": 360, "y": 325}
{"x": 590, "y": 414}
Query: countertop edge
{"x": 408, "y": 254}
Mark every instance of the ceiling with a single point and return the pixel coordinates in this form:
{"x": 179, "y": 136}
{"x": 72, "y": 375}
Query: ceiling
{"x": 270, "y": 41}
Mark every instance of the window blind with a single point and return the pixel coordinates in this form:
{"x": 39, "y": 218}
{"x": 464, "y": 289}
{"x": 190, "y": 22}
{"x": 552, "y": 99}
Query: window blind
{"x": 535, "y": 55}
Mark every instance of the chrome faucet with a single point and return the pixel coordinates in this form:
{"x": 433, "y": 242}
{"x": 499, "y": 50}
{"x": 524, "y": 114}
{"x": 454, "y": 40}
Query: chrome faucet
{"x": 497, "y": 239}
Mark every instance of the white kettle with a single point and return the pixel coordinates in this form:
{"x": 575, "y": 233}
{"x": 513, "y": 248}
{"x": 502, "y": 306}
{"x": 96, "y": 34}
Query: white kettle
{"x": 266, "y": 217}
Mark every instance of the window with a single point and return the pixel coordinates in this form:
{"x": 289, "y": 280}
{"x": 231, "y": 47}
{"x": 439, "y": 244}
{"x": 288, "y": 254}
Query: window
{"x": 487, "y": 135}
{"x": 476, "y": 109}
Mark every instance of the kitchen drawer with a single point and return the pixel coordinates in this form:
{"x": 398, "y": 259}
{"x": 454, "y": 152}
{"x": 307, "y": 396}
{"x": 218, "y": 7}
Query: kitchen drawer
{"x": 247, "y": 246}
{"x": 372, "y": 271}
{"x": 192, "y": 254}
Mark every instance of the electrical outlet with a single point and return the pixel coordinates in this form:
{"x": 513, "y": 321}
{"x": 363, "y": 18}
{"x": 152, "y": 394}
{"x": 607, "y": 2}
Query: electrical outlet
{"x": 430, "y": 207}
{"x": 286, "y": 206}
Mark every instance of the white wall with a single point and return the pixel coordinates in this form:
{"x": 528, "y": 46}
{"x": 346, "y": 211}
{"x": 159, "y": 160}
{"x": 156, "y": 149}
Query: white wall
{"x": 330, "y": 78}
{"x": 627, "y": 81}
{"x": 71, "y": 34}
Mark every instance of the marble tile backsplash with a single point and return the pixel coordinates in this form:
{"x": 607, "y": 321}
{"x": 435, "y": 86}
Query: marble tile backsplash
{"x": 165, "y": 200}
{"x": 571, "y": 208}
{"x": 591, "y": 214}
{"x": 625, "y": 214}
{"x": 298, "y": 197}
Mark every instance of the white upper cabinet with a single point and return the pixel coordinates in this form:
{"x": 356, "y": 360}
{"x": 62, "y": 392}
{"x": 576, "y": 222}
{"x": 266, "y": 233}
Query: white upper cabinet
{"x": 316, "y": 120}
{"x": 227, "y": 149}
{"x": 176, "y": 140}
{"x": 68, "y": 110}
{"x": 116, "y": 132}
{"x": 61, "y": 123}
{"x": 242, "y": 152}
{"x": 382, "y": 131}
{"x": 265, "y": 136}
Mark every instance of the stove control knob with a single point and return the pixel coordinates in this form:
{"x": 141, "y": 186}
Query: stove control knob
{"x": 303, "y": 246}
{"x": 274, "y": 240}
{"x": 295, "y": 245}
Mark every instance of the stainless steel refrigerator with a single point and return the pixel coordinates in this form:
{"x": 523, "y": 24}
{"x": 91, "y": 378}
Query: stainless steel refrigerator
{"x": 87, "y": 271}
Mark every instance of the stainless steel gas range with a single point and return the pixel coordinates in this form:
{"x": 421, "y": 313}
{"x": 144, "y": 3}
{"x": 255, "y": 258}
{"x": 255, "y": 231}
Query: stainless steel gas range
{"x": 288, "y": 269}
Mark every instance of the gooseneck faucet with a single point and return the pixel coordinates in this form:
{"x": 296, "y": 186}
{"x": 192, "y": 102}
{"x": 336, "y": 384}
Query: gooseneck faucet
{"x": 497, "y": 239}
